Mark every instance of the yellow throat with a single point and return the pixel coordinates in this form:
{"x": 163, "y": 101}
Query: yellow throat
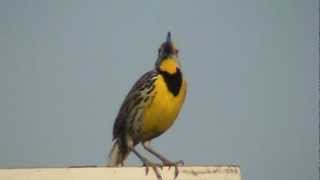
{"x": 168, "y": 99}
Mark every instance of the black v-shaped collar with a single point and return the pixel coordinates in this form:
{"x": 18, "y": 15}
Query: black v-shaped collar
{"x": 173, "y": 81}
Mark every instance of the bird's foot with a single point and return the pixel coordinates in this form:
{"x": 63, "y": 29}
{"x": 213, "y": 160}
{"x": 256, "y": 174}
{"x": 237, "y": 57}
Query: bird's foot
{"x": 175, "y": 164}
{"x": 154, "y": 166}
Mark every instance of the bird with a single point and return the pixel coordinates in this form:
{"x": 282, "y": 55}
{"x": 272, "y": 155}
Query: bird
{"x": 150, "y": 109}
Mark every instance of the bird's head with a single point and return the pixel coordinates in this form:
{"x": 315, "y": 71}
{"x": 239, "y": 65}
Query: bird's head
{"x": 168, "y": 60}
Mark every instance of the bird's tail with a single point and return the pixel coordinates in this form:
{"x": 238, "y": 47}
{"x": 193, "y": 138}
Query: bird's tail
{"x": 117, "y": 155}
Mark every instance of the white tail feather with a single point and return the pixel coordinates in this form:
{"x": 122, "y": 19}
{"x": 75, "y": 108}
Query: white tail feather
{"x": 117, "y": 157}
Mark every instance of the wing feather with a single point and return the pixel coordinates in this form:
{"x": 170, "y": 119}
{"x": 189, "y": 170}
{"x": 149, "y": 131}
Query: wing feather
{"x": 136, "y": 96}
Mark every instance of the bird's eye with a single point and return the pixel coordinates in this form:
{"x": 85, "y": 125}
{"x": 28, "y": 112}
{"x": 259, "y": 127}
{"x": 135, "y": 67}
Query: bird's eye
{"x": 159, "y": 50}
{"x": 177, "y": 51}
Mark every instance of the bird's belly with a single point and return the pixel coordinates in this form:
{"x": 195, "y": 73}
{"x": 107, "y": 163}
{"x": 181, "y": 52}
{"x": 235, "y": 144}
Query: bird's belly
{"x": 162, "y": 112}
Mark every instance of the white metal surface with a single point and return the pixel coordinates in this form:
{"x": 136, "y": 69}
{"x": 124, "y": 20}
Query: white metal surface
{"x": 123, "y": 173}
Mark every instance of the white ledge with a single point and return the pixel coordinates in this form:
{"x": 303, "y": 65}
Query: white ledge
{"x": 122, "y": 173}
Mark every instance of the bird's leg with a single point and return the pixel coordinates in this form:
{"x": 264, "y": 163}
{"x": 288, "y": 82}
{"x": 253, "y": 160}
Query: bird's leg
{"x": 147, "y": 163}
{"x": 164, "y": 160}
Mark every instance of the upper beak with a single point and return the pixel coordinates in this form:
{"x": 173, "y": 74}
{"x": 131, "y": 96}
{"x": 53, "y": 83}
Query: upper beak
{"x": 169, "y": 38}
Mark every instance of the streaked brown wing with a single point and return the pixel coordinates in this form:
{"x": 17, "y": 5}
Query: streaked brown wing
{"x": 134, "y": 97}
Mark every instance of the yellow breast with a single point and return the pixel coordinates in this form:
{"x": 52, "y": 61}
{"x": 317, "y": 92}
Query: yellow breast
{"x": 163, "y": 110}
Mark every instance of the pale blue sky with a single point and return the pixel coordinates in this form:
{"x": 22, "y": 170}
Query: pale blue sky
{"x": 252, "y": 68}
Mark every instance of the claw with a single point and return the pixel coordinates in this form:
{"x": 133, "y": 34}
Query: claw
{"x": 147, "y": 169}
{"x": 176, "y": 172}
{"x": 154, "y": 166}
{"x": 156, "y": 172}
{"x": 175, "y": 164}
{"x": 147, "y": 163}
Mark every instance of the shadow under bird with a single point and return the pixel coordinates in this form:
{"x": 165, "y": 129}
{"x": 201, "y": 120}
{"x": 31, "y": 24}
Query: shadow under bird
{"x": 150, "y": 108}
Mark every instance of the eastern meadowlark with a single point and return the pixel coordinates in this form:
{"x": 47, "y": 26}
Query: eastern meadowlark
{"x": 149, "y": 109}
